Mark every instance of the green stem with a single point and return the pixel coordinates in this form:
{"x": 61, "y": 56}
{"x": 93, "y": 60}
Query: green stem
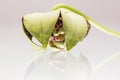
{"x": 93, "y": 22}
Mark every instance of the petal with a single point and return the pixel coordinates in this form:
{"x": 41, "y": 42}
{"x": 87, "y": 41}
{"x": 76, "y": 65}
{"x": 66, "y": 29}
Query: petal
{"x": 75, "y": 28}
{"x": 41, "y": 25}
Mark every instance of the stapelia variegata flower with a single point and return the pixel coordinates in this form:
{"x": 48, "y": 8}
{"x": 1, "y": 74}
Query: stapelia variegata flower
{"x": 63, "y": 27}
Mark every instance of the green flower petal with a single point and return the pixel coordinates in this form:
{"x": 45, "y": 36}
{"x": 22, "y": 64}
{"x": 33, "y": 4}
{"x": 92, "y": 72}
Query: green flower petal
{"x": 41, "y": 25}
{"x": 75, "y": 28}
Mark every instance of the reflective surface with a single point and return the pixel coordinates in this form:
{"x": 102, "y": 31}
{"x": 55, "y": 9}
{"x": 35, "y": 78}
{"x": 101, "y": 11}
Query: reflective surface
{"x": 58, "y": 65}
{"x": 107, "y": 69}
{"x": 16, "y": 52}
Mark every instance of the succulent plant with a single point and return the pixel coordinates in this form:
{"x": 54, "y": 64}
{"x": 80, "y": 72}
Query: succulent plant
{"x": 63, "y": 27}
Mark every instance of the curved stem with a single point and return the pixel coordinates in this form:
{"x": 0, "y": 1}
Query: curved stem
{"x": 93, "y": 22}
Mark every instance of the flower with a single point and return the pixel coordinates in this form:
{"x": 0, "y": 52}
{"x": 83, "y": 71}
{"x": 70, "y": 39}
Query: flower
{"x": 63, "y": 27}
{"x": 60, "y": 28}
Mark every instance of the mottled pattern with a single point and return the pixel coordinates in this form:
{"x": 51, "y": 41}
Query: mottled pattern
{"x": 58, "y": 35}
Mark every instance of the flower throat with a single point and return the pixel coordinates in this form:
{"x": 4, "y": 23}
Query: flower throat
{"x": 57, "y": 38}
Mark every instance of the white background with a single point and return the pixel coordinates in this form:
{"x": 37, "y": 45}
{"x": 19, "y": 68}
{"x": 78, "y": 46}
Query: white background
{"x": 16, "y": 52}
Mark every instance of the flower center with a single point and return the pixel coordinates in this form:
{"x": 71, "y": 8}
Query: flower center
{"x": 57, "y": 38}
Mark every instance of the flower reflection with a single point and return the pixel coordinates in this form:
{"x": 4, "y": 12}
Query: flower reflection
{"x": 58, "y": 65}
